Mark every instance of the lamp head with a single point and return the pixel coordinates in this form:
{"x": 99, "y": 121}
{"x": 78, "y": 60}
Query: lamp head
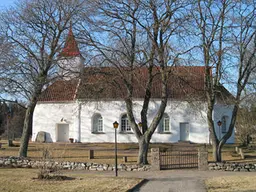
{"x": 115, "y": 124}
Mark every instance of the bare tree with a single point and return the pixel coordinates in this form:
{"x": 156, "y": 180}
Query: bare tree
{"x": 245, "y": 124}
{"x": 139, "y": 38}
{"x": 11, "y": 119}
{"x": 33, "y": 29}
{"x": 228, "y": 41}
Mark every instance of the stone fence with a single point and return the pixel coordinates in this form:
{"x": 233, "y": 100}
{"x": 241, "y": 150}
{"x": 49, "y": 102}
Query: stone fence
{"x": 233, "y": 166}
{"x": 16, "y": 162}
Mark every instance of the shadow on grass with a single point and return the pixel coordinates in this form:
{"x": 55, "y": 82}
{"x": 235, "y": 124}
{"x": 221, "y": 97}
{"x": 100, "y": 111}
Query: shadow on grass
{"x": 250, "y": 157}
{"x": 137, "y": 187}
{"x": 55, "y": 178}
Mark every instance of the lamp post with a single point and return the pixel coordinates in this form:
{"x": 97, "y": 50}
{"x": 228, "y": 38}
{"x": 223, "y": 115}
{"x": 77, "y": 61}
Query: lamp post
{"x": 115, "y": 125}
{"x": 219, "y": 124}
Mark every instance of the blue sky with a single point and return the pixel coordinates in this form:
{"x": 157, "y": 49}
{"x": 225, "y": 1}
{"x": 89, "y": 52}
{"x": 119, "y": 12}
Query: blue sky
{"x": 6, "y": 3}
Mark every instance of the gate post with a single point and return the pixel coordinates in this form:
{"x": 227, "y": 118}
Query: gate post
{"x": 202, "y": 158}
{"x": 155, "y": 159}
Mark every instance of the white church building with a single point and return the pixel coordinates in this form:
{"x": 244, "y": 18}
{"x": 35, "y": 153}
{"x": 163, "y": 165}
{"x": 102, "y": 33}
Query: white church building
{"x": 84, "y": 108}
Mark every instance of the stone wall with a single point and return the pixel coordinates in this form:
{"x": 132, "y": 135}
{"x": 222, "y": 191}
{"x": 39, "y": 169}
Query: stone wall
{"x": 155, "y": 159}
{"x": 232, "y": 166}
{"x": 16, "y": 162}
{"x": 202, "y": 158}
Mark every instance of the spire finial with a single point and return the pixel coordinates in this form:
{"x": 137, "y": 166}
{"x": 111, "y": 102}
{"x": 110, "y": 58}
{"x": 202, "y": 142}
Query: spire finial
{"x": 70, "y": 28}
{"x": 70, "y": 25}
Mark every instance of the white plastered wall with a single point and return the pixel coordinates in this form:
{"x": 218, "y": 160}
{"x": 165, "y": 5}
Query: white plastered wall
{"x": 70, "y": 67}
{"x": 48, "y": 115}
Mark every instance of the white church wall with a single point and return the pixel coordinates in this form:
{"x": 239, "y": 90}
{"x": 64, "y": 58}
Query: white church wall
{"x": 112, "y": 111}
{"x": 48, "y": 115}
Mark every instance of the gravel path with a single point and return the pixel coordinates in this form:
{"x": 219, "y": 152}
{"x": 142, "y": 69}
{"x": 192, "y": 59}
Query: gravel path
{"x": 173, "y": 185}
{"x": 181, "y": 180}
{"x": 170, "y": 180}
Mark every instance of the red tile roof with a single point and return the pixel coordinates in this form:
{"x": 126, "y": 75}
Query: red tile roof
{"x": 70, "y": 48}
{"x": 60, "y": 91}
{"x": 102, "y": 83}
{"x": 184, "y": 83}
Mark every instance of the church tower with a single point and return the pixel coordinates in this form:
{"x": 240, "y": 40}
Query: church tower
{"x": 71, "y": 62}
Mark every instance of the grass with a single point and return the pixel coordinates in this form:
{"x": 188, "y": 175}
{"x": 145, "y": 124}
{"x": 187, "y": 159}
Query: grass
{"x": 104, "y": 152}
{"x": 231, "y": 183}
{"x": 229, "y": 154}
{"x": 76, "y": 152}
{"x": 21, "y": 180}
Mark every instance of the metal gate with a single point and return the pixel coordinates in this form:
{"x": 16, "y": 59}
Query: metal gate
{"x": 178, "y": 159}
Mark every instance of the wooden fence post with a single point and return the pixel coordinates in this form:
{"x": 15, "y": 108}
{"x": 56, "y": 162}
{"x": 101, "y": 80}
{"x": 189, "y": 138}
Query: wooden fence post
{"x": 237, "y": 150}
{"x": 125, "y": 159}
{"x": 241, "y": 153}
{"x": 91, "y": 154}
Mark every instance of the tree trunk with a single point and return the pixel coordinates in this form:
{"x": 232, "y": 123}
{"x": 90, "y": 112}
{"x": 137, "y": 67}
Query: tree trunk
{"x": 218, "y": 157}
{"x": 26, "y": 127}
{"x": 219, "y": 144}
{"x": 216, "y": 151}
{"x": 143, "y": 151}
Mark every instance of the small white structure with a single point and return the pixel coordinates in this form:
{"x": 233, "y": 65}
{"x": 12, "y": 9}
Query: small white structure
{"x": 72, "y": 108}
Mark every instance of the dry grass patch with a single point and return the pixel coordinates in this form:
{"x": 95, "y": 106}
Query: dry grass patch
{"x": 21, "y": 180}
{"x": 78, "y": 152}
{"x": 104, "y": 152}
{"x": 75, "y": 152}
{"x": 231, "y": 183}
{"x": 226, "y": 156}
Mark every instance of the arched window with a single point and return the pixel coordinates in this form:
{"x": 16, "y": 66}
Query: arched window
{"x": 97, "y": 123}
{"x": 164, "y": 125}
{"x": 125, "y": 127}
{"x": 224, "y": 124}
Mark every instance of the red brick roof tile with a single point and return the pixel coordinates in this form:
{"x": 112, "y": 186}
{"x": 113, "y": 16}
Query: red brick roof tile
{"x": 102, "y": 83}
{"x": 184, "y": 83}
{"x": 60, "y": 91}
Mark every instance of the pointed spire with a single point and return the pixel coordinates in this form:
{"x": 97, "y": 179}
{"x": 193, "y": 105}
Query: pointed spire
{"x": 70, "y": 48}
